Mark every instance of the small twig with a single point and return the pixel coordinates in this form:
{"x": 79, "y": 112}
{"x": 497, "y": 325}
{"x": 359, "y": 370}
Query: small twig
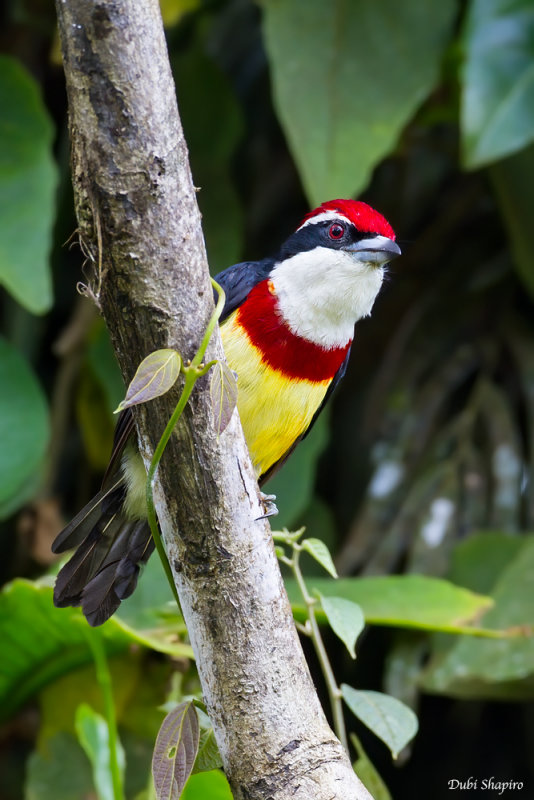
{"x": 311, "y": 629}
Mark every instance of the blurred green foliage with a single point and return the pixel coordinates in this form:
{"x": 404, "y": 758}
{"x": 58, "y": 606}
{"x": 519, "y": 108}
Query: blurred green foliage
{"x": 423, "y": 467}
{"x": 28, "y": 177}
{"x": 366, "y": 66}
{"x": 24, "y": 429}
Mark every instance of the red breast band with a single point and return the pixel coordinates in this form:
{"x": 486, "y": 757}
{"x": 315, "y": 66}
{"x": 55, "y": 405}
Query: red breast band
{"x": 282, "y": 349}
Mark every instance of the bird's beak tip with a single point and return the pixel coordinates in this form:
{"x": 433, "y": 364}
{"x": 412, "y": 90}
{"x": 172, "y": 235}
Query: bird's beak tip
{"x": 378, "y": 250}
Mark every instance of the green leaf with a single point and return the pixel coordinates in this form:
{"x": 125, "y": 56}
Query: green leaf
{"x": 347, "y": 77}
{"x": 93, "y": 735}
{"x": 30, "y": 662}
{"x": 223, "y": 393}
{"x": 175, "y": 751}
{"x": 61, "y": 772}
{"x": 387, "y": 717}
{"x": 208, "y": 756}
{"x": 367, "y": 772}
{"x": 407, "y": 601}
{"x": 478, "y": 561}
{"x": 27, "y": 187}
{"x": 155, "y": 375}
{"x": 24, "y": 428}
{"x": 513, "y": 180}
{"x": 320, "y": 552}
{"x": 345, "y": 618}
{"x": 497, "y": 109}
{"x": 212, "y": 785}
{"x": 497, "y": 668}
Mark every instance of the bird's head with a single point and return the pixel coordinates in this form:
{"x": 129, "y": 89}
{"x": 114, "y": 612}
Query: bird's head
{"x": 329, "y": 272}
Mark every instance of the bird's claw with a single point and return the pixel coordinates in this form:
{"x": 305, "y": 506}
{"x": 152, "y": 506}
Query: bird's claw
{"x": 269, "y": 505}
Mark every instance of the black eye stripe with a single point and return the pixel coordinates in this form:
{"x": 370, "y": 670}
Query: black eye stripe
{"x": 316, "y": 234}
{"x": 349, "y": 227}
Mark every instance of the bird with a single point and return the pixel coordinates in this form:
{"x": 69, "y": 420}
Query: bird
{"x": 287, "y": 328}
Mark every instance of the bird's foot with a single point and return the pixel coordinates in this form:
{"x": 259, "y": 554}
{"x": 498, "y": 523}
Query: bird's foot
{"x": 269, "y": 506}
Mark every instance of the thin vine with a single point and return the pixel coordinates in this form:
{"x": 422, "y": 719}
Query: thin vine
{"x": 312, "y": 630}
{"x": 192, "y": 372}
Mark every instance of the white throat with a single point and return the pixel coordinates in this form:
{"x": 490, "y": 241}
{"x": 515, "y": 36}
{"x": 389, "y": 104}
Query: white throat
{"x": 323, "y": 292}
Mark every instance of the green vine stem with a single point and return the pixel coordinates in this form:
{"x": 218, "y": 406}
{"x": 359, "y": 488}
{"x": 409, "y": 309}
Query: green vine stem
{"x": 192, "y": 371}
{"x": 103, "y": 677}
{"x": 311, "y": 629}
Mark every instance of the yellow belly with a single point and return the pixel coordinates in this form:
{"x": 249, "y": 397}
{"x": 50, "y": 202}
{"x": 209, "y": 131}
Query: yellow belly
{"x": 274, "y": 409}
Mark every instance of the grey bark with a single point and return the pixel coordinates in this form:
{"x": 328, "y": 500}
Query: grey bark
{"x": 140, "y": 224}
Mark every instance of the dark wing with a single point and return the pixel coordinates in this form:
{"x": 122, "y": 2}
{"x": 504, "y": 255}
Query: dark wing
{"x": 78, "y": 528}
{"x": 111, "y": 547}
{"x": 123, "y": 430}
{"x": 238, "y": 280}
{"x": 334, "y": 382}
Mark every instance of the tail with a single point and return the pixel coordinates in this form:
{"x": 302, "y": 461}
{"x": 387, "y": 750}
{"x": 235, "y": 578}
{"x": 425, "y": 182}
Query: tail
{"x": 111, "y": 548}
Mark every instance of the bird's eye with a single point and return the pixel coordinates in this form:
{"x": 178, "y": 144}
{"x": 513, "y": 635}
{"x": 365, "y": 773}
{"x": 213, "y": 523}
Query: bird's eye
{"x": 336, "y": 231}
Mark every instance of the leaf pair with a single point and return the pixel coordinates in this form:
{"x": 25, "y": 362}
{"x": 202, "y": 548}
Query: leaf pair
{"x": 388, "y": 718}
{"x": 158, "y": 373}
{"x": 181, "y": 749}
{"x": 344, "y": 617}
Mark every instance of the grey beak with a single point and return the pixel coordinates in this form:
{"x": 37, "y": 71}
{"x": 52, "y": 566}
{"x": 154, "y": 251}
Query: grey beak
{"x": 375, "y": 250}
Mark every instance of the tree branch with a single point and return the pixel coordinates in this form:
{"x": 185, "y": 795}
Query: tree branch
{"x": 139, "y": 221}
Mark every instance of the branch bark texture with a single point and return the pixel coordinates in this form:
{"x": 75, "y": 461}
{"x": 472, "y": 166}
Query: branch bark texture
{"x": 138, "y": 217}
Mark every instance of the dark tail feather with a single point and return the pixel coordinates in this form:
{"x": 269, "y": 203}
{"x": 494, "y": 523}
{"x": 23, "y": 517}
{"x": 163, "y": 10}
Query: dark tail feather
{"x": 117, "y": 577}
{"x": 105, "y": 567}
{"x": 86, "y": 562}
{"x": 85, "y": 520}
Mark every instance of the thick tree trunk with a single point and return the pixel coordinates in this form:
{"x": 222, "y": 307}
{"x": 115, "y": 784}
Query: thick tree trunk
{"x": 140, "y": 223}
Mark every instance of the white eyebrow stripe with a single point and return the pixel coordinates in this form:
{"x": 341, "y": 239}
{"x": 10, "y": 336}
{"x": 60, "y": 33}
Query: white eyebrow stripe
{"x": 323, "y": 217}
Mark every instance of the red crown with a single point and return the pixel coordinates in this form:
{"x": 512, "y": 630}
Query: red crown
{"x": 365, "y": 218}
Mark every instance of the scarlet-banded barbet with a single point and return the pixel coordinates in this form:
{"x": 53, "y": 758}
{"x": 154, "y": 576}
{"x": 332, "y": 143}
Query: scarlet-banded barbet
{"x": 287, "y": 329}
